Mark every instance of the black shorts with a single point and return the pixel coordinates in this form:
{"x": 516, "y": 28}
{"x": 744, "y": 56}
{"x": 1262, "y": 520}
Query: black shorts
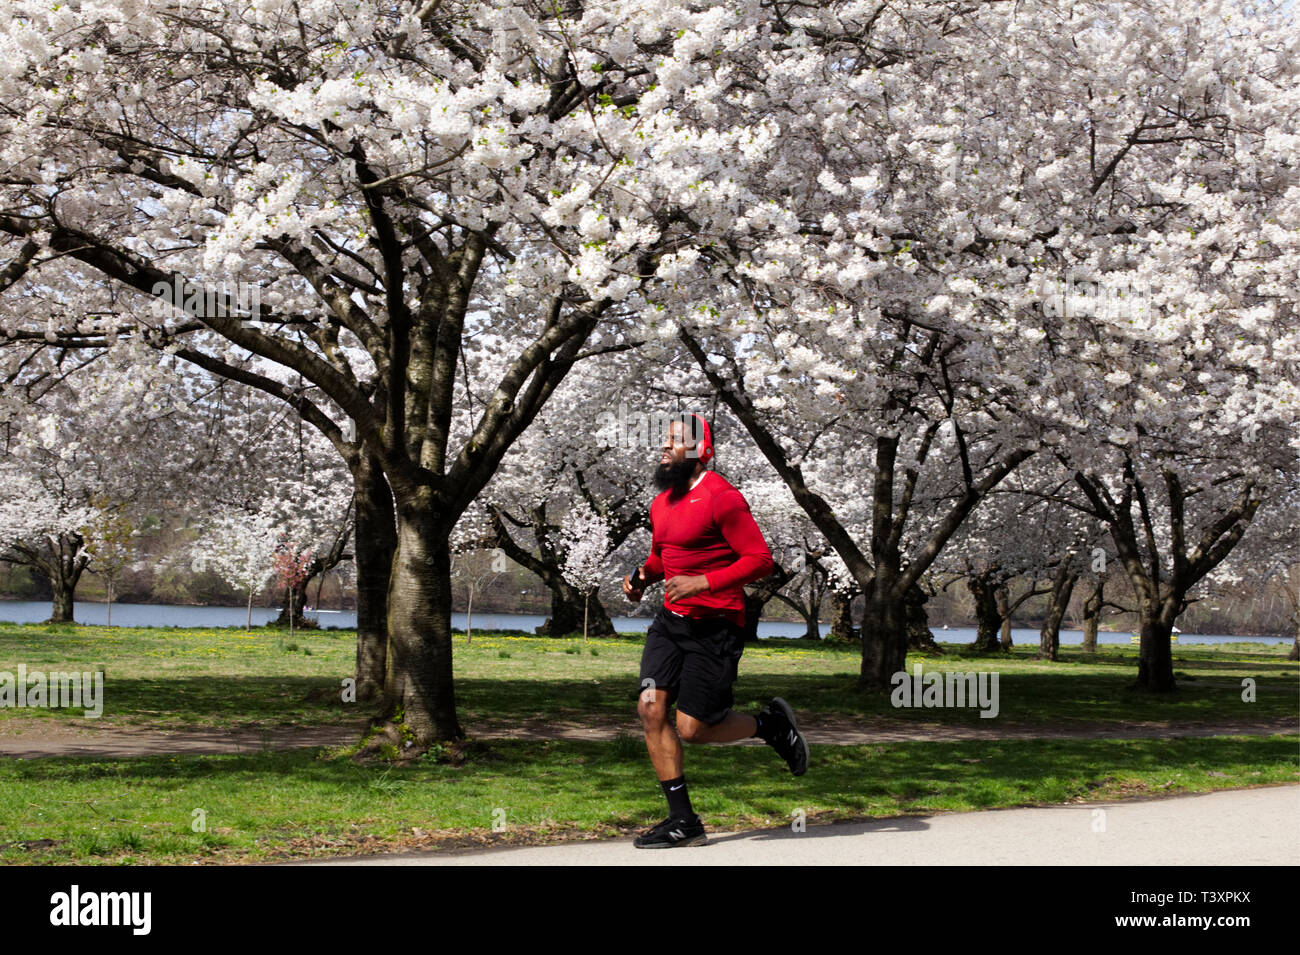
{"x": 695, "y": 658}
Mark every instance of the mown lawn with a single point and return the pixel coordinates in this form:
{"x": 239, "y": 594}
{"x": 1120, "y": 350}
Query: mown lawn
{"x": 225, "y": 678}
{"x": 300, "y": 803}
{"x": 277, "y": 805}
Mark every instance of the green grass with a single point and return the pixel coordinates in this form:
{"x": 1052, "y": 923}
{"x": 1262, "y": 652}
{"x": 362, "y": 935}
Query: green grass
{"x": 298, "y": 804}
{"x": 224, "y": 678}
{"x": 274, "y": 805}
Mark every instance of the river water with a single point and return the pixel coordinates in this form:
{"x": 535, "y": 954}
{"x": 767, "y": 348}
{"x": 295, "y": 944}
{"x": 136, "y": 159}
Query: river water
{"x": 160, "y": 615}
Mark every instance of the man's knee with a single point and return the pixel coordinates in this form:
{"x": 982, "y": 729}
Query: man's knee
{"x": 652, "y": 707}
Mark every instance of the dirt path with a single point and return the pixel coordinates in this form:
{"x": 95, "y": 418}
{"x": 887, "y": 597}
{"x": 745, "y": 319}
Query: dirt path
{"x": 33, "y": 738}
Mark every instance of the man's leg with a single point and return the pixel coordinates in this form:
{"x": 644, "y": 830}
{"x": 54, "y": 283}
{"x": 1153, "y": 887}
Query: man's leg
{"x": 704, "y": 713}
{"x": 661, "y": 667}
{"x": 733, "y": 726}
{"x": 683, "y": 826}
{"x": 660, "y": 737}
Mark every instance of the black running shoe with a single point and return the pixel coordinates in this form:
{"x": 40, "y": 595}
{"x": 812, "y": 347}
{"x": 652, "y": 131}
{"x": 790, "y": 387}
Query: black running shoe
{"x": 786, "y": 738}
{"x": 672, "y": 833}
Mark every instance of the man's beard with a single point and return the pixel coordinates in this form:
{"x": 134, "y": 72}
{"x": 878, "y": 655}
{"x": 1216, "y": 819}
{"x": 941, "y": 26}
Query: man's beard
{"x": 675, "y": 476}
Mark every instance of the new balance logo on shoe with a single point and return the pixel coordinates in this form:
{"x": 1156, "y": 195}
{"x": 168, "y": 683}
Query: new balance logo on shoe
{"x": 672, "y": 833}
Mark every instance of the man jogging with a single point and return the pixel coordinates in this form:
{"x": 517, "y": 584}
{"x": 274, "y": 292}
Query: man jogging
{"x": 707, "y": 547}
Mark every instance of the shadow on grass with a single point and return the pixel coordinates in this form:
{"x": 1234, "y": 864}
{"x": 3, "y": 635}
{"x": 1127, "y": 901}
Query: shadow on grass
{"x": 745, "y": 780}
{"x": 1047, "y": 695}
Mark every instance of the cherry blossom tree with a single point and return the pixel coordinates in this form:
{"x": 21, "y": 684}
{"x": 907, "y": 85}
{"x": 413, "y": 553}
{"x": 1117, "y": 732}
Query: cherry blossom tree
{"x": 840, "y": 212}
{"x": 575, "y": 455}
{"x": 1268, "y": 556}
{"x": 76, "y": 468}
{"x": 42, "y": 528}
{"x": 110, "y": 545}
{"x": 374, "y": 174}
{"x": 240, "y": 548}
{"x": 584, "y": 538}
{"x": 971, "y": 176}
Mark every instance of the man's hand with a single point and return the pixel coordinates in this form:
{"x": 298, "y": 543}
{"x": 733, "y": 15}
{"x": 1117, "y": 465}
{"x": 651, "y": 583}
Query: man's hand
{"x": 630, "y": 592}
{"x": 681, "y": 587}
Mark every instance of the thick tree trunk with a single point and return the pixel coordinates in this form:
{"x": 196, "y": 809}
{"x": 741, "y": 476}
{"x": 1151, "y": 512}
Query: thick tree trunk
{"x": 1003, "y": 597}
{"x": 812, "y": 628}
{"x": 1155, "y": 656}
{"x": 1295, "y": 649}
{"x": 297, "y": 599}
{"x": 919, "y": 636}
{"x": 67, "y": 561}
{"x": 812, "y": 616}
{"x": 419, "y": 672}
{"x": 988, "y": 620}
{"x": 842, "y": 617}
{"x": 567, "y": 612}
{"x": 1092, "y": 615}
{"x": 884, "y": 639}
{"x": 376, "y": 544}
{"x": 61, "y": 610}
{"x": 1049, "y": 637}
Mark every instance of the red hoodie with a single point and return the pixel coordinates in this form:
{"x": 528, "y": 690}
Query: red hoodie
{"x": 708, "y": 530}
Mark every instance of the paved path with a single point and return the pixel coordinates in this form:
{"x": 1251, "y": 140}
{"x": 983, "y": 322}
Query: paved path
{"x": 33, "y": 738}
{"x": 1237, "y": 827}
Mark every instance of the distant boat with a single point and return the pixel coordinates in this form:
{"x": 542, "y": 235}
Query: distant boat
{"x": 944, "y": 627}
{"x": 1176, "y": 630}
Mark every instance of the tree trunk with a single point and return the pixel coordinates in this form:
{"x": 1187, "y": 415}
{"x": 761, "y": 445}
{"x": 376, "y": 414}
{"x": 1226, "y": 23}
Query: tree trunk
{"x": 1049, "y": 637}
{"x": 1295, "y": 645}
{"x": 375, "y": 544}
{"x": 988, "y": 620}
{"x": 1155, "y": 656}
{"x": 295, "y": 599}
{"x": 842, "y": 617}
{"x": 1092, "y": 615}
{"x": 568, "y": 610}
{"x": 419, "y": 671}
{"x": 812, "y": 629}
{"x": 884, "y": 639}
{"x": 63, "y": 569}
{"x": 919, "y": 636}
{"x": 812, "y": 619}
{"x": 1003, "y": 597}
{"x": 61, "y": 610}
{"x": 469, "y": 615}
